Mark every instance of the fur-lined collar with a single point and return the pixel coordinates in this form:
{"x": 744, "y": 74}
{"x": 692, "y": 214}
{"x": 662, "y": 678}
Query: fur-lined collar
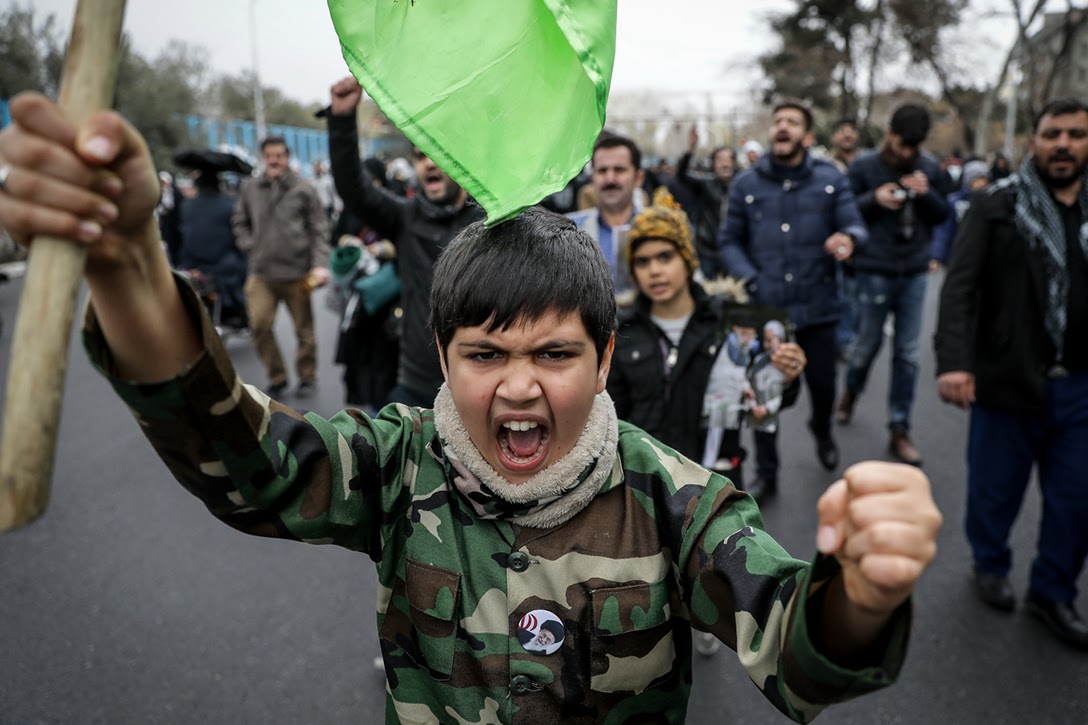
{"x": 551, "y": 497}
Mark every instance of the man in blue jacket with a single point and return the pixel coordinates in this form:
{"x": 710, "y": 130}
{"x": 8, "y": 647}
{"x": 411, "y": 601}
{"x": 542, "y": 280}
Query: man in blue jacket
{"x": 898, "y": 191}
{"x": 789, "y": 219}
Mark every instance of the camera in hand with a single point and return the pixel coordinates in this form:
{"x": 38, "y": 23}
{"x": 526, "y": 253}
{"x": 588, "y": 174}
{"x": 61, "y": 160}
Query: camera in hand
{"x": 907, "y": 221}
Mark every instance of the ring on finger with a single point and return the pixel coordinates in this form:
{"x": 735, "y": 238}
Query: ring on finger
{"x": 841, "y": 251}
{"x": 5, "y": 171}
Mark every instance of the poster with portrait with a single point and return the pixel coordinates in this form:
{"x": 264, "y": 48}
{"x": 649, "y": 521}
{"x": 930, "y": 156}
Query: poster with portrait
{"x": 743, "y": 377}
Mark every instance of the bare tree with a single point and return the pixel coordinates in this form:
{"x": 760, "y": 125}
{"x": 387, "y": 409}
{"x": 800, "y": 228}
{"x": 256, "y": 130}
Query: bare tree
{"x": 876, "y": 44}
{"x": 31, "y": 52}
{"x": 1071, "y": 25}
{"x": 985, "y": 115}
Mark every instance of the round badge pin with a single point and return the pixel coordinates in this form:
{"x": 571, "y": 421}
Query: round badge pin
{"x": 541, "y": 632}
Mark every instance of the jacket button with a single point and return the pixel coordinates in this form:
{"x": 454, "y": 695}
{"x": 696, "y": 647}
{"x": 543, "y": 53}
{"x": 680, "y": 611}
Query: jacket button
{"x": 518, "y": 561}
{"x": 521, "y": 684}
{"x": 785, "y": 227}
{"x": 789, "y": 276}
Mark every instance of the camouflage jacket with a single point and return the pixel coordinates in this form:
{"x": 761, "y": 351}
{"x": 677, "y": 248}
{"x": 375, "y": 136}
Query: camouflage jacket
{"x": 665, "y": 546}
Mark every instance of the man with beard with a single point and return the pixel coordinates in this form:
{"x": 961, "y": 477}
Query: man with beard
{"x": 844, "y": 143}
{"x": 280, "y": 225}
{"x": 617, "y": 175}
{"x": 710, "y": 193}
{"x": 420, "y": 227}
{"x": 789, "y": 220}
{"x": 898, "y": 190}
{"x": 1012, "y": 345}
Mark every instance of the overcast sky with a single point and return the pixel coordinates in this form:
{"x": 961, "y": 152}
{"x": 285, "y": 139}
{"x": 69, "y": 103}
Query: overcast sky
{"x": 677, "y": 45}
{"x": 663, "y": 45}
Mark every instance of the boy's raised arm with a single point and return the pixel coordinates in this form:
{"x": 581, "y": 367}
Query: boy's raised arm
{"x": 881, "y": 523}
{"x": 97, "y": 186}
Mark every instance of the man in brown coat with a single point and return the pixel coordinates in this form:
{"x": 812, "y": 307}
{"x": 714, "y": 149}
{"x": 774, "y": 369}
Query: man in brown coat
{"x": 280, "y": 223}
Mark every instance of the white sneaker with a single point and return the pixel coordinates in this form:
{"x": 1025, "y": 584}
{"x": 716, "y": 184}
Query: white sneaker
{"x": 706, "y": 644}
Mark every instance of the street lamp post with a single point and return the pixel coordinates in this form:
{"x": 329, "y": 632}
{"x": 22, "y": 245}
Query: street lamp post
{"x": 1014, "y": 79}
{"x": 258, "y": 93}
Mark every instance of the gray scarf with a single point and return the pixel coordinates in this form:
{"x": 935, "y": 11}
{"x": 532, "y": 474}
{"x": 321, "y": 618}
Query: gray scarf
{"x": 551, "y": 497}
{"x": 1040, "y": 223}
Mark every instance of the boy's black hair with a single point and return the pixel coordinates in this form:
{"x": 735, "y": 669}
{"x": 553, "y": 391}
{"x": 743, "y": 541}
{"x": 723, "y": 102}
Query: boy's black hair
{"x": 1058, "y": 107}
{"x": 911, "y": 123}
{"x": 520, "y": 270}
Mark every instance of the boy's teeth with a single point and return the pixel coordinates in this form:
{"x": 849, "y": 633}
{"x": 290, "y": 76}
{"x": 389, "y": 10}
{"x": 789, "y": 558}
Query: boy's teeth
{"x": 520, "y": 424}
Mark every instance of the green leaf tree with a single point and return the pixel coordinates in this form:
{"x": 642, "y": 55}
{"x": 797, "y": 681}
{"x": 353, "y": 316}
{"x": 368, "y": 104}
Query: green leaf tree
{"x": 155, "y": 94}
{"x": 31, "y": 51}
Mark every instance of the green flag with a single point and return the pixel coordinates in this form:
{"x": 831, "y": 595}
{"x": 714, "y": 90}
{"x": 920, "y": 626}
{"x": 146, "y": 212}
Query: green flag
{"x": 506, "y": 96}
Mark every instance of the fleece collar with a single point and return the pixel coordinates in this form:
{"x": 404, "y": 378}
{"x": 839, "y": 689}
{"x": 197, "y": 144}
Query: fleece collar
{"x": 551, "y": 497}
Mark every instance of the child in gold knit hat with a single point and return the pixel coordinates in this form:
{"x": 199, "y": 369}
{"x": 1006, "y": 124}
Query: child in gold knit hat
{"x": 663, "y": 221}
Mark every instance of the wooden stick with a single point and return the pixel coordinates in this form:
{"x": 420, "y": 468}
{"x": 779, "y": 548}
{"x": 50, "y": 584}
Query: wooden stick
{"x": 39, "y": 356}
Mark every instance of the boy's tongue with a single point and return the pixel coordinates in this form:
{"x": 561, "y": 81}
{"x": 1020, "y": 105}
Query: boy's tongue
{"x": 524, "y": 443}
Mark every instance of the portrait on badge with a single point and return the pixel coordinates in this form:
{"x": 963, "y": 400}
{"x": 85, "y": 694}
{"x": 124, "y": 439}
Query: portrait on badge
{"x": 541, "y": 632}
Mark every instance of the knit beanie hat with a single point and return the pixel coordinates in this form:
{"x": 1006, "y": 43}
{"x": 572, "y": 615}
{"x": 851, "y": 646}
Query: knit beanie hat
{"x": 663, "y": 221}
{"x": 972, "y": 171}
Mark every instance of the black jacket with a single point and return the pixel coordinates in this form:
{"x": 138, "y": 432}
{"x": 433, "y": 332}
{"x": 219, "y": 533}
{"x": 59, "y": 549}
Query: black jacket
{"x": 207, "y": 244}
{"x": 991, "y": 313}
{"x": 887, "y": 252}
{"x": 709, "y": 198}
{"x": 671, "y": 411}
{"x": 419, "y": 229}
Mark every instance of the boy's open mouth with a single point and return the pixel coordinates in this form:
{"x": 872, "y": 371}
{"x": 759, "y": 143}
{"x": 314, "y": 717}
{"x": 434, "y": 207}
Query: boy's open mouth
{"x": 523, "y": 444}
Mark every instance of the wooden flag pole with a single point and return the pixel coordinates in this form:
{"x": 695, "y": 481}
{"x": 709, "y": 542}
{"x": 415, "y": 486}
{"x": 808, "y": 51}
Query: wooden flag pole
{"x": 39, "y": 357}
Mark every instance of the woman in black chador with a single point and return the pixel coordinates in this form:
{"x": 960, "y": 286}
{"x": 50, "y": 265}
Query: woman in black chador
{"x": 207, "y": 241}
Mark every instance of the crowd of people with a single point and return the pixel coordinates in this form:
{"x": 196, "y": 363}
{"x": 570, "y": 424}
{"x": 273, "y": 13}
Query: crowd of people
{"x": 776, "y": 257}
{"x": 551, "y": 482}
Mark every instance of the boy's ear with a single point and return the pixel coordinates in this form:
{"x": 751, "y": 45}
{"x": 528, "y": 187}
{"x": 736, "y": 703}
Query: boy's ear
{"x": 442, "y": 360}
{"x": 606, "y": 364}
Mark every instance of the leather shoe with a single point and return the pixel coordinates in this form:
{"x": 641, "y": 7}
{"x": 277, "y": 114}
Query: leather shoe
{"x": 902, "y": 448}
{"x": 844, "y": 411}
{"x": 762, "y": 488}
{"x": 827, "y": 452}
{"x": 1061, "y": 619}
{"x": 994, "y": 591}
{"x": 276, "y": 389}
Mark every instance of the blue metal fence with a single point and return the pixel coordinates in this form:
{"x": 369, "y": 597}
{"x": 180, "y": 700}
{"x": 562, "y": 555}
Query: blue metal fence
{"x": 308, "y": 145}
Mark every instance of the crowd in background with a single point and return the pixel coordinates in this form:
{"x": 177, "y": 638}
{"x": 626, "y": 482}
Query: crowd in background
{"x": 367, "y": 292}
{"x": 739, "y": 272}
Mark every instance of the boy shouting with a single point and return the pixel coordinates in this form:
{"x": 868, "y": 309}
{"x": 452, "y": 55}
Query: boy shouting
{"x": 537, "y": 558}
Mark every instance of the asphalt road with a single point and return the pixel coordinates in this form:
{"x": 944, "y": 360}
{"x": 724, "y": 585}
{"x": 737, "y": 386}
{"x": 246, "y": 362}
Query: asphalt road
{"x": 128, "y": 604}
